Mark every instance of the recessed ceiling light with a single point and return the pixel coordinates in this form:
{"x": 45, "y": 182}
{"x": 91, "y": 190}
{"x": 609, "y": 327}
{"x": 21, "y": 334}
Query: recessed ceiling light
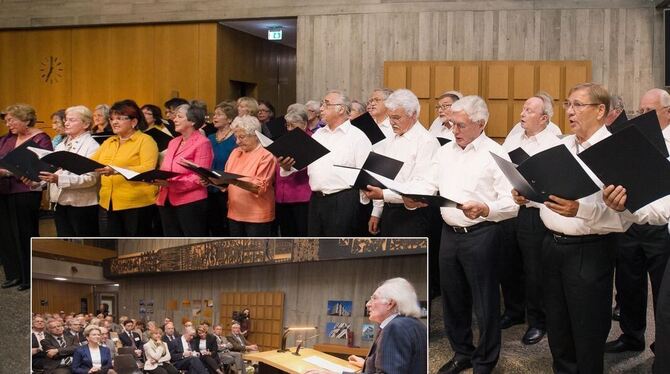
{"x": 60, "y": 279}
{"x": 115, "y": 285}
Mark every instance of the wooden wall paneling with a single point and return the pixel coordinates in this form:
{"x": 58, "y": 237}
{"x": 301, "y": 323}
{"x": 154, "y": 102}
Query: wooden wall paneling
{"x": 444, "y": 79}
{"x": 550, "y": 79}
{"x": 132, "y": 52}
{"x": 206, "y": 72}
{"x": 574, "y": 74}
{"x": 60, "y": 296}
{"x": 468, "y": 77}
{"x": 524, "y": 81}
{"x": 497, "y": 80}
{"x": 91, "y": 75}
{"x": 499, "y": 115}
{"x": 426, "y": 115}
{"x": 420, "y": 80}
{"x": 517, "y": 107}
{"x": 395, "y": 75}
{"x": 177, "y": 54}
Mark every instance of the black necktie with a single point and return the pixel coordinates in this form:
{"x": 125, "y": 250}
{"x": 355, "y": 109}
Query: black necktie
{"x": 67, "y": 361}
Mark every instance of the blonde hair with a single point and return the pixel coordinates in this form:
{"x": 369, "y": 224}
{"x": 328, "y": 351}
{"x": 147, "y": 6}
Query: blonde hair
{"x": 83, "y": 113}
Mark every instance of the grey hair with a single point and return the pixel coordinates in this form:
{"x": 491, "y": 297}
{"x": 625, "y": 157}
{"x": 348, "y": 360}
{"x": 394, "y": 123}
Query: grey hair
{"x": 104, "y": 109}
{"x": 297, "y": 115}
{"x": 474, "y": 106}
{"x": 547, "y": 103}
{"x": 404, "y": 295}
{"x": 346, "y": 102}
{"x": 454, "y": 95}
{"x": 358, "y": 106}
{"x": 616, "y": 102}
{"x": 386, "y": 92}
{"x": 296, "y": 106}
{"x": 82, "y": 112}
{"x": 189, "y": 331}
{"x": 249, "y": 124}
{"x": 313, "y": 105}
{"x": 405, "y": 99}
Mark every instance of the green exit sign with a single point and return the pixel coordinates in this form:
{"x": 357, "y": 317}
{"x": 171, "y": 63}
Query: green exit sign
{"x": 274, "y": 34}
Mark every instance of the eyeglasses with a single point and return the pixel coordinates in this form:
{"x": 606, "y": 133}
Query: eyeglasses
{"x": 461, "y": 125}
{"x": 642, "y": 111}
{"x": 576, "y": 105}
{"x": 327, "y": 104}
{"x": 375, "y": 100}
{"x": 264, "y": 110}
{"x": 443, "y": 106}
{"x": 120, "y": 118}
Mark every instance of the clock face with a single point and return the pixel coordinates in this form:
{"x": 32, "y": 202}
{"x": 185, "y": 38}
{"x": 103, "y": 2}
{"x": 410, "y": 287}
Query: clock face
{"x": 51, "y": 69}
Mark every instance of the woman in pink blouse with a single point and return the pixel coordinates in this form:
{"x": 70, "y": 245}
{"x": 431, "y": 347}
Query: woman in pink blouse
{"x": 293, "y": 191}
{"x": 182, "y": 200}
{"x": 251, "y": 201}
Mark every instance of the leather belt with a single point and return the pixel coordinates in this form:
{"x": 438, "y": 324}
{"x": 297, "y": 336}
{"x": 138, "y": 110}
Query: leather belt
{"x": 574, "y": 239}
{"x": 323, "y": 194}
{"x": 469, "y": 229}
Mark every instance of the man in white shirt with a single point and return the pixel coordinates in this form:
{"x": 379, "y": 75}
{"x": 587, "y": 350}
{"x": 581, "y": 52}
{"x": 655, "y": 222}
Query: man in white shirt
{"x": 441, "y": 127}
{"x": 415, "y": 147}
{"x": 469, "y": 251}
{"x": 578, "y": 260}
{"x": 521, "y": 263}
{"x": 334, "y": 205}
{"x": 378, "y": 110}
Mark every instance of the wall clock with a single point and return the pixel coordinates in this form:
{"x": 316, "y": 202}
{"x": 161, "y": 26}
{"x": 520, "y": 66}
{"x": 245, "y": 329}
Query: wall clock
{"x": 51, "y": 69}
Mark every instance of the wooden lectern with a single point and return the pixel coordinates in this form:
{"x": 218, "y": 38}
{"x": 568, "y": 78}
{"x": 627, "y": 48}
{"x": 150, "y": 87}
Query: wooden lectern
{"x": 286, "y": 362}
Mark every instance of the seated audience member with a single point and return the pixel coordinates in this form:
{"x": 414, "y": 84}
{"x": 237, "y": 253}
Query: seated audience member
{"x": 92, "y": 357}
{"x": 38, "y": 334}
{"x": 157, "y": 355}
{"x": 58, "y": 348}
{"x": 238, "y": 340}
{"x": 106, "y": 341}
{"x": 130, "y": 338}
{"x": 251, "y": 201}
{"x": 146, "y": 334}
{"x": 170, "y": 333}
{"x": 183, "y": 355}
{"x": 223, "y": 142}
{"x": 182, "y": 199}
{"x": 400, "y": 347}
{"x": 226, "y": 356}
{"x": 129, "y": 205}
{"x": 101, "y": 120}
{"x": 206, "y": 345}
{"x": 75, "y": 329}
{"x": 75, "y": 197}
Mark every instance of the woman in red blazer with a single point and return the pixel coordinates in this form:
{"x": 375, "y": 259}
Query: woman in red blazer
{"x": 182, "y": 200}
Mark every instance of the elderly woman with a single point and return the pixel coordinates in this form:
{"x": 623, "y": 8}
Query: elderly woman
{"x": 128, "y": 204}
{"x": 441, "y": 127}
{"x": 357, "y": 109}
{"x": 75, "y": 196}
{"x": 223, "y": 142}
{"x": 292, "y": 192}
{"x": 251, "y": 202}
{"x": 19, "y": 203}
{"x": 157, "y": 355}
{"x": 182, "y": 200}
{"x": 101, "y": 120}
{"x": 247, "y": 106}
{"x": 57, "y": 121}
{"x": 313, "y": 121}
{"x": 92, "y": 357}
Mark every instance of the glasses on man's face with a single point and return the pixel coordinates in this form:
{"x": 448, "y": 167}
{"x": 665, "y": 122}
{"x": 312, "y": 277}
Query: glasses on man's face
{"x": 327, "y": 104}
{"x": 576, "y": 105}
{"x": 375, "y": 100}
{"x": 443, "y": 106}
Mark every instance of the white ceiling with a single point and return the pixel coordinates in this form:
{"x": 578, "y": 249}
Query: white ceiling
{"x": 260, "y": 27}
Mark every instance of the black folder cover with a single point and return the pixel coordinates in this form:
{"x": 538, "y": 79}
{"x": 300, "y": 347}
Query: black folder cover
{"x": 433, "y": 200}
{"x": 72, "y": 162}
{"x": 443, "y": 141}
{"x": 151, "y": 175}
{"x": 209, "y": 173}
{"x": 23, "y": 162}
{"x": 518, "y": 156}
{"x": 298, "y": 145}
{"x": 627, "y": 158}
{"x": 162, "y": 139}
{"x": 382, "y": 165}
{"x": 553, "y": 171}
{"x": 619, "y": 121}
{"x": 367, "y": 124}
{"x": 102, "y": 136}
{"x": 649, "y": 127}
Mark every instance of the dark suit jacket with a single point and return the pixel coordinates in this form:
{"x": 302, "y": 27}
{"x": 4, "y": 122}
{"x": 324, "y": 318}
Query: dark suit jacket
{"x": 176, "y": 335}
{"x": 78, "y": 338}
{"x": 82, "y": 362}
{"x": 136, "y": 342}
{"x": 177, "y": 351}
{"x": 212, "y": 346}
{"x": 39, "y": 356}
{"x": 237, "y": 347}
{"x": 49, "y": 342}
{"x": 399, "y": 349}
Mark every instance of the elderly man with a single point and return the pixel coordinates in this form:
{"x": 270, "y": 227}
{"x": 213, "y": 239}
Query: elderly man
{"x": 37, "y": 335}
{"x": 400, "y": 345}
{"x": 58, "y": 348}
{"x": 521, "y": 270}
{"x": 333, "y": 207}
{"x": 378, "y": 110}
{"x": 224, "y": 350}
{"x": 616, "y": 108}
{"x": 75, "y": 329}
{"x": 552, "y": 127}
{"x": 170, "y": 333}
{"x": 236, "y": 338}
{"x": 469, "y": 249}
{"x": 184, "y": 356}
{"x": 441, "y": 126}
{"x": 415, "y": 147}
{"x": 106, "y": 341}
{"x": 578, "y": 261}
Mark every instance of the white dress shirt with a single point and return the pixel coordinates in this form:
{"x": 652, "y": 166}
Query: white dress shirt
{"x": 185, "y": 344}
{"x": 666, "y": 136}
{"x": 96, "y": 359}
{"x": 348, "y": 146}
{"x": 387, "y": 130}
{"x": 472, "y": 174}
{"x": 593, "y": 216}
{"x": 439, "y": 130}
{"x": 416, "y": 148}
{"x": 553, "y": 128}
{"x": 72, "y": 189}
{"x": 655, "y": 213}
{"x": 537, "y": 143}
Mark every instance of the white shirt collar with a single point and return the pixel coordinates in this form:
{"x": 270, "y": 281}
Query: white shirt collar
{"x": 387, "y": 320}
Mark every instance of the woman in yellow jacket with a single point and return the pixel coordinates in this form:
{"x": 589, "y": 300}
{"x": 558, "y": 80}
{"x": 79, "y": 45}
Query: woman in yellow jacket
{"x": 129, "y": 205}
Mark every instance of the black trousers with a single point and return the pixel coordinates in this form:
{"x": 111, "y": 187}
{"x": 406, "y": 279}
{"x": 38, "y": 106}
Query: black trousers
{"x": 292, "y": 218}
{"x": 334, "y": 215}
{"x": 434, "y": 233}
{"x": 530, "y": 235}
{"x": 249, "y": 229}
{"x": 641, "y": 249}
{"x": 511, "y": 271}
{"x": 184, "y": 220}
{"x": 166, "y": 368}
{"x": 398, "y": 221}
{"x": 578, "y": 278}
{"x": 662, "y": 360}
{"x": 130, "y": 222}
{"x": 76, "y": 221}
{"x": 217, "y": 213}
{"x": 469, "y": 279}
{"x": 192, "y": 365}
{"x": 19, "y": 221}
